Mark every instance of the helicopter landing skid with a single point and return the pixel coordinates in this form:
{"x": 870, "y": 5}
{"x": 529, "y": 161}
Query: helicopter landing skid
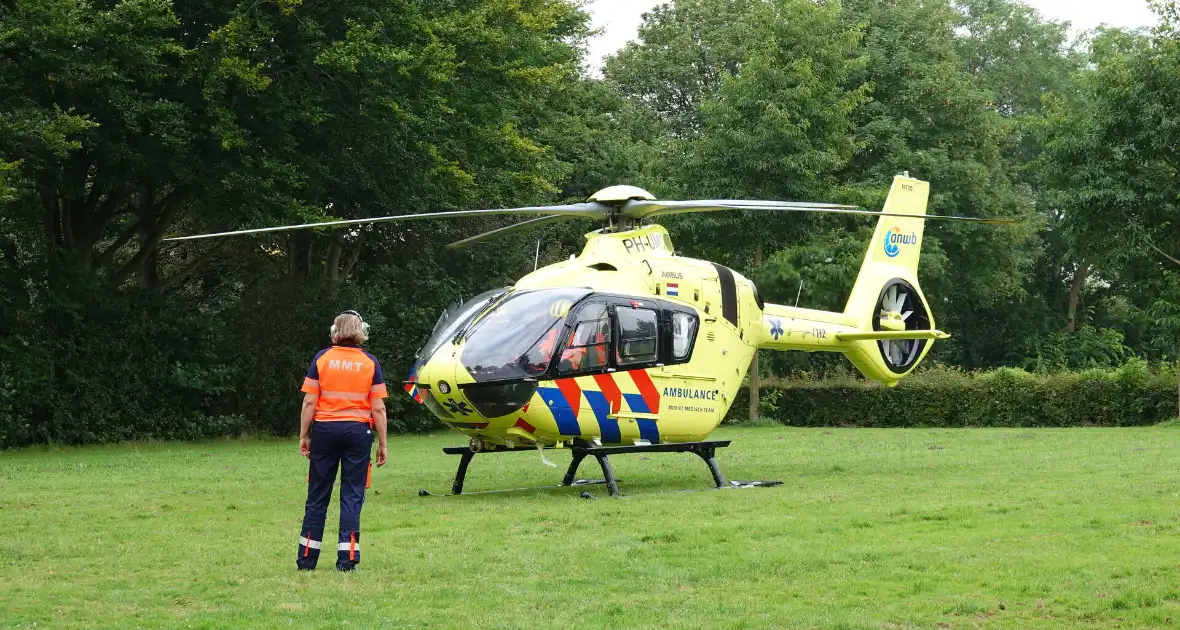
{"x": 705, "y": 450}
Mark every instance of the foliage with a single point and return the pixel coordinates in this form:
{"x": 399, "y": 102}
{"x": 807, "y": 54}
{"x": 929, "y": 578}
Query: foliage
{"x": 1084, "y": 348}
{"x": 1014, "y": 54}
{"x": 1131, "y": 395}
{"x": 127, "y": 122}
{"x": 756, "y": 98}
{"x": 930, "y": 117}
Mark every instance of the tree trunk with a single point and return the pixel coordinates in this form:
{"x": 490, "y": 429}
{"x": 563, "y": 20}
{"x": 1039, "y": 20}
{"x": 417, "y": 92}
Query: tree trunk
{"x": 755, "y": 379}
{"x": 108, "y": 254}
{"x": 149, "y": 273}
{"x": 353, "y": 256}
{"x": 1075, "y": 293}
{"x": 153, "y": 221}
{"x": 182, "y": 276}
{"x": 335, "y": 251}
{"x": 299, "y": 246}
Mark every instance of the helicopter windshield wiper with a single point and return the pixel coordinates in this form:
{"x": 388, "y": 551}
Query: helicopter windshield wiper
{"x": 461, "y": 332}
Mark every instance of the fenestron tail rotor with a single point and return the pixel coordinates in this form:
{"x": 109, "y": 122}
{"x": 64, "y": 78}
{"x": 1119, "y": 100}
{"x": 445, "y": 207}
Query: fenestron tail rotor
{"x": 899, "y": 310}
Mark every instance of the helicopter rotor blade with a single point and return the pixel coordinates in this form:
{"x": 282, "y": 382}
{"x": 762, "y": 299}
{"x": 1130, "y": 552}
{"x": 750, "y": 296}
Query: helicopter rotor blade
{"x": 642, "y": 209}
{"x": 509, "y": 229}
{"x": 592, "y": 210}
{"x": 639, "y": 209}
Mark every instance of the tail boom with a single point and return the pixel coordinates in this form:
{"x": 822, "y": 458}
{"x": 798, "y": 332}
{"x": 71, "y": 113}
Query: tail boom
{"x": 790, "y": 328}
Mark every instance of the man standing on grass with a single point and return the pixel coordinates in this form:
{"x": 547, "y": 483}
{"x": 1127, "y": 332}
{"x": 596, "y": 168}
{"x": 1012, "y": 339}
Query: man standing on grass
{"x": 343, "y": 402}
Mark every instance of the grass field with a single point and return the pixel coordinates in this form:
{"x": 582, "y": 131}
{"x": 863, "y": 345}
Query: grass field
{"x": 872, "y": 528}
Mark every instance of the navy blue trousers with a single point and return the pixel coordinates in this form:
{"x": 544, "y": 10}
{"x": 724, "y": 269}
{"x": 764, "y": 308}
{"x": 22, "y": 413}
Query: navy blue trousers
{"x": 344, "y": 445}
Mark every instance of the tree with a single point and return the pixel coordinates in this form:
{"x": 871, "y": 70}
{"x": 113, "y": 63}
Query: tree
{"x": 756, "y": 100}
{"x": 126, "y": 122}
{"x": 686, "y": 49}
{"x": 1013, "y": 53}
{"x": 930, "y": 117}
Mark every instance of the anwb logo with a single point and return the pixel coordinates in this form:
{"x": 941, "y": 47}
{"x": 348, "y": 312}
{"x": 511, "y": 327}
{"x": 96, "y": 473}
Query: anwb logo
{"x": 894, "y": 239}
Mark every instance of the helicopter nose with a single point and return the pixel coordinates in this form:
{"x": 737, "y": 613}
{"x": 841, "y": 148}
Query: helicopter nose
{"x": 500, "y": 399}
{"x": 457, "y": 396}
{"x": 478, "y": 402}
{"x": 441, "y": 393}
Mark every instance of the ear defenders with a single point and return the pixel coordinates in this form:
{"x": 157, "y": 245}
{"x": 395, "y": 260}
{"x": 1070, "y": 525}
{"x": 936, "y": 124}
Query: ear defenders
{"x": 364, "y": 324}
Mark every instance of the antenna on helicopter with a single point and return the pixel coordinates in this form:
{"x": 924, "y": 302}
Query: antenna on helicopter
{"x": 797, "y": 294}
{"x": 537, "y": 255}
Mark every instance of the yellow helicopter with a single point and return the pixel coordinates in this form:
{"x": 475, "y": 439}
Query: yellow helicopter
{"x": 629, "y": 347}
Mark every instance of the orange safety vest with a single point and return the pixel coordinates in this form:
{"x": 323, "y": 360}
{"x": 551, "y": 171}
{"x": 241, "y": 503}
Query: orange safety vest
{"x": 346, "y": 379}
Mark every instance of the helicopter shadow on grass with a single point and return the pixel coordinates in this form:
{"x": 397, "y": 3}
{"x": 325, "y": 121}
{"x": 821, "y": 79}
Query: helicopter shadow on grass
{"x": 644, "y": 476}
{"x": 597, "y": 491}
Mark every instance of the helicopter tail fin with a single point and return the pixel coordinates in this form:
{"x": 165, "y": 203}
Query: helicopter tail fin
{"x": 896, "y": 245}
{"x": 896, "y": 329}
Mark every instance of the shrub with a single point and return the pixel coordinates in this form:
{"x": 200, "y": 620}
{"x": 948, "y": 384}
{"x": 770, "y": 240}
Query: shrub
{"x": 1131, "y": 395}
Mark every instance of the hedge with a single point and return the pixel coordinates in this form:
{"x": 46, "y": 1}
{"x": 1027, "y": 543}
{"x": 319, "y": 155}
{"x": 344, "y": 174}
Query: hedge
{"x": 1132, "y": 395}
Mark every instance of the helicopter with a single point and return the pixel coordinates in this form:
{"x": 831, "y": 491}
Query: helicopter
{"x": 630, "y": 347}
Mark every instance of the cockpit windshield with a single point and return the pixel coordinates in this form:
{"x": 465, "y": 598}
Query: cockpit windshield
{"x": 454, "y": 317}
{"x": 517, "y": 337}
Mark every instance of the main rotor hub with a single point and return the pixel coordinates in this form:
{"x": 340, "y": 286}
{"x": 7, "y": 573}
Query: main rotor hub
{"x": 621, "y": 194}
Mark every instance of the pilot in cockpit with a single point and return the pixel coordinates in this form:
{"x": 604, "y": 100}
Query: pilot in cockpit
{"x": 587, "y": 347}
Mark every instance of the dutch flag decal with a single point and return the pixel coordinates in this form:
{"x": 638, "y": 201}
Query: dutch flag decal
{"x": 673, "y": 289}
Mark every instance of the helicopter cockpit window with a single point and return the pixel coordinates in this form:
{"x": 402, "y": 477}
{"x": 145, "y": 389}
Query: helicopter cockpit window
{"x": 638, "y": 336}
{"x": 454, "y": 317}
{"x": 517, "y": 337}
{"x": 684, "y": 331}
{"x": 588, "y": 345}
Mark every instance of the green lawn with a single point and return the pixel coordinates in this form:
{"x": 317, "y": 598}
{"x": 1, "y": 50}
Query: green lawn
{"x": 873, "y": 529}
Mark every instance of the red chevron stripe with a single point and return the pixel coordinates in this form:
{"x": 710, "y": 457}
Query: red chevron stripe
{"x": 610, "y": 389}
{"x": 647, "y": 389}
{"x": 520, "y": 422}
{"x": 572, "y": 393}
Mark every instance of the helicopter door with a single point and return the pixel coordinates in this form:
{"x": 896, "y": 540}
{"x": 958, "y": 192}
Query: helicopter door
{"x": 751, "y": 311}
{"x": 729, "y": 301}
{"x": 638, "y": 337}
{"x": 681, "y": 327}
{"x": 710, "y": 298}
{"x": 588, "y": 349}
